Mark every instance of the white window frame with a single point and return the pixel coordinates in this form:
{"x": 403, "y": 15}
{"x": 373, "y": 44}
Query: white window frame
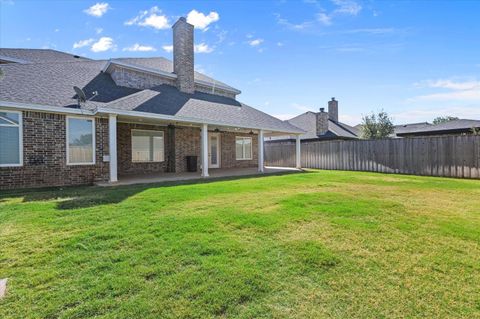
{"x": 243, "y": 158}
{"x": 131, "y": 145}
{"x": 94, "y": 144}
{"x": 20, "y": 137}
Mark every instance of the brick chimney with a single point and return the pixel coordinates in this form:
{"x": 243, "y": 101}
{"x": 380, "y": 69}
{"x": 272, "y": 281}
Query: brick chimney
{"x": 322, "y": 122}
{"x": 333, "y": 110}
{"x": 183, "y": 65}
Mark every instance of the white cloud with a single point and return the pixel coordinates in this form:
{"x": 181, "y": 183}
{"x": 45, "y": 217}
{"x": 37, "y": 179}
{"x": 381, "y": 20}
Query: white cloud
{"x": 83, "y": 43}
{"x": 466, "y": 95}
{"x": 167, "y": 48}
{"x": 293, "y": 26}
{"x": 347, "y": 7}
{"x": 450, "y": 84}
{"x": 350, "y": 119}
{"x": 98, "y": 9}
{"x": 202, "y": 48}
{"x": 150, "y": 18}
{"x": 200, "y": 20}
{"x": 303, "y": 108}
{"x": 56, "y": 30}
{"x": 255, "y": 42}
{"x": 428, "y": 114}
{"x": 103, "y": 44}
{"x": 139, "y": 48}
{"x": 458, "y": 90}
{"x": 280, "y": 44}
{"x": 98, "y": 30}
{"x": 324, "y": 18}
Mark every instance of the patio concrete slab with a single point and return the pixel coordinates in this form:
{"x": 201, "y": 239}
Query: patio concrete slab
{"x": 213, "y": 172}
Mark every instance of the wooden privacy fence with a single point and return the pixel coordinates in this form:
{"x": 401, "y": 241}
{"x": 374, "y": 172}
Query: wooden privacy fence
{"x": 453, "y": 156}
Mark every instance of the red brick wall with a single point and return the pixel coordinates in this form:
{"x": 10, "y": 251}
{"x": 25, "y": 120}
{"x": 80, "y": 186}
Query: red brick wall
{"x": 187, "y": 143}
{"x": 228, "y": 151}
{"x": 124, "y": 150}
{"x": 44, "y": 155}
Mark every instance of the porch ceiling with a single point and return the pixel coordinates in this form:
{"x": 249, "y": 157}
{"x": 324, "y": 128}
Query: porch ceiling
{"x": 162, "y": 122}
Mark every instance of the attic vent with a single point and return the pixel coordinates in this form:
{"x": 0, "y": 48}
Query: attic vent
{"x": 76, "y": 56}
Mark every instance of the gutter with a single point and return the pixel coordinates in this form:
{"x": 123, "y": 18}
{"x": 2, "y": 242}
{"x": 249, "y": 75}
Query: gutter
{"x": 103, "y": 110}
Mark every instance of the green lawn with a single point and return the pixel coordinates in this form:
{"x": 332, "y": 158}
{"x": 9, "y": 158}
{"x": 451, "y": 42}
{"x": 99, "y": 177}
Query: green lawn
{"x": 311, "y": 245}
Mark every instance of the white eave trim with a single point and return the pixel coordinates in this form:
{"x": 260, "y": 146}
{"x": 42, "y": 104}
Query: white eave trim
{"x": 103, "y": 110}
{"x": 186, "y": 120}
{"x": 45, "y": 108}
{"x": 13, "y": 60}
{"x": 171, "y": 76}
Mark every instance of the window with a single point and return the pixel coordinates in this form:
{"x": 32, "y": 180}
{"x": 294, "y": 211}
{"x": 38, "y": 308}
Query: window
{"x": 11, "y": 148}
{"x": 243, "y": 147}
{"x": 80, "y": 141}
{"x": 147, "y": 146}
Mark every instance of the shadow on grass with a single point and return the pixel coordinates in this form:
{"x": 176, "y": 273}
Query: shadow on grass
{"x": 75, "y": 197}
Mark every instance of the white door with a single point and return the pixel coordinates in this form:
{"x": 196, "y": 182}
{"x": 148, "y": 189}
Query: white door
{"x": 214, "y": 150}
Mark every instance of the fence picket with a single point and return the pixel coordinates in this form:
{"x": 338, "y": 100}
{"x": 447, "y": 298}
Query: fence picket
{"x": 453, "y": 156}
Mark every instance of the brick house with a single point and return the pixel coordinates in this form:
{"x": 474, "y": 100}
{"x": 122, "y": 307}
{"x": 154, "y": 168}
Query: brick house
{"x": 319, "y": 126}
{"x": 139, "y": 116}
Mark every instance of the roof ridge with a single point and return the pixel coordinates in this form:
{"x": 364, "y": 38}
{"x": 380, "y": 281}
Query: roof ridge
{"x": 130, "y": 96}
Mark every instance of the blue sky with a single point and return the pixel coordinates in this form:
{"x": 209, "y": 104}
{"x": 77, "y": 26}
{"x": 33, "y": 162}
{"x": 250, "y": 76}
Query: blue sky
{"x": 414, "y": 59}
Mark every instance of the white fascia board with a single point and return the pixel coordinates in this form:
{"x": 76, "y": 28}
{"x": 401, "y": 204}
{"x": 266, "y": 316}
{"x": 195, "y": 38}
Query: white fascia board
{"x": 45, "y": 108}
{"x": 14, "y": 60}
{"x": 190, "y": 120}
{"x": 172, "y": 76}
{"x": 218, "y": 86}
{"x": 64, "y": 110}
{"x": 138, "y": 68}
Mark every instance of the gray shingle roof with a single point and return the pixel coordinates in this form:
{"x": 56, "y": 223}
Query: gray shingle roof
{"x": 39, "y": 55}
{"x": 308, "y": 122}
{"x": 454, "y": 125}
{"x": 405, "y": 128}
{"x": 51, "y": 83}
{"x": 167, "y": 100}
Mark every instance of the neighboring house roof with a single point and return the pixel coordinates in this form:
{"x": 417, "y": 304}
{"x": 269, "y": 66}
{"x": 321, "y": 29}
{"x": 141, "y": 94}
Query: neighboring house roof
{"x": 454, "y": 126}
{"x": 51, "y": 84}
{"x": 308, "y": 122}
{"x": 405, "y": 128}
{"x": 37, "y": 56}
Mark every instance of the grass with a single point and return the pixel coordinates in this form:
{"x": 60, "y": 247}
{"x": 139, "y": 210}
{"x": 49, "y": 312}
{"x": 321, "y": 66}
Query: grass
{"x": 319, "y": 244}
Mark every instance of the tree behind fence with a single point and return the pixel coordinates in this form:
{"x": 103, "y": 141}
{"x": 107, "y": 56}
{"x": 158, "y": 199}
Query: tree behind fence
{"x": 454, "y": 156}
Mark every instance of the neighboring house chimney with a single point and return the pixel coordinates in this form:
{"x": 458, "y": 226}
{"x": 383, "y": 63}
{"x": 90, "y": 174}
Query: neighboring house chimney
{"x": 333, "y": 110}
{"x": 183, "y": 65}
{"x": 322, "y": 122}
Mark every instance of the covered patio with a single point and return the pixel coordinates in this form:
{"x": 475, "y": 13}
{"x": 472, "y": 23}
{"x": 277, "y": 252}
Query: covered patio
{"x": 213, "y": 144}
{"x": 215, "y": 173}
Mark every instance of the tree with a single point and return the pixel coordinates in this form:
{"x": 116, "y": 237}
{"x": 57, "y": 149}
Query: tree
{"x": 375, "y": 126}
{"x": 444, "y": 119}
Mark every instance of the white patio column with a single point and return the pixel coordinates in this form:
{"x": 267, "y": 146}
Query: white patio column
{"x": 260, "y": 151}
{"x": 204, "y": 142}
{"x": 112, "y": 146}
{"x": 298, "y": 158}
